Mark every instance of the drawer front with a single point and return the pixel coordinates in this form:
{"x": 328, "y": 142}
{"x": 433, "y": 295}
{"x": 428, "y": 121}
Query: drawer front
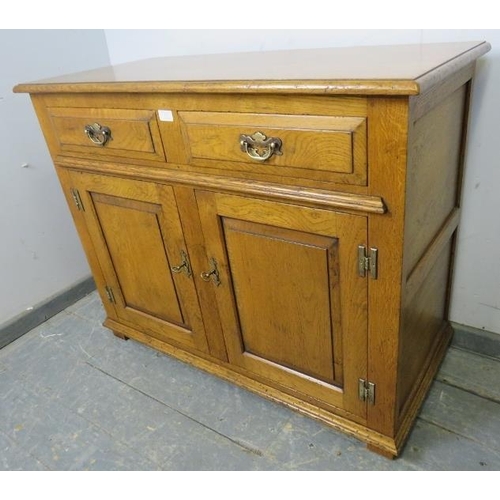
{"x": 323, "y": 148}
{"x": 107, "y": 133}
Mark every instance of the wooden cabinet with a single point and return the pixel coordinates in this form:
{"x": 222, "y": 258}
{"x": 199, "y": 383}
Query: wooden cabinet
{"x": 286, "y": 223}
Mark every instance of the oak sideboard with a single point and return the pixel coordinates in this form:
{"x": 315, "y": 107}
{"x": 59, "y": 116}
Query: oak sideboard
{"x": 284, "y": 220}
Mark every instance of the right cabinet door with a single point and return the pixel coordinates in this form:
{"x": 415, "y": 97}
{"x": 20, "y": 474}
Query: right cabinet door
{"x": 292, "y": 305}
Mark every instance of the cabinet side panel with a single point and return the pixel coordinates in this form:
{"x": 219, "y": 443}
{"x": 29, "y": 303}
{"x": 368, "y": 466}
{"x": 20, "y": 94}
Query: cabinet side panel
{"x": 433, "y": 174}
{"x": 431, "y": 218}
{"x": 422, "y": 321}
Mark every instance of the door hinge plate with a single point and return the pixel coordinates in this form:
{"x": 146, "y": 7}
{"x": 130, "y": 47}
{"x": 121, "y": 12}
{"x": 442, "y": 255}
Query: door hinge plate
{"x": 110, "y": 295}
{"x": 367, "y": 262}
{"x": 366, "y": 391}
{"x": 76, "y": 198}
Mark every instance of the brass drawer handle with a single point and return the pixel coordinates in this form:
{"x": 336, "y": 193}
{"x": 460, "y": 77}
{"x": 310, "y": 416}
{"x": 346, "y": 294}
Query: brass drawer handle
{"x": 213, "y": 274}
{"x": 259, "y": 147}
{"x": 184, "y": 266}
{"x": 98, "y": 134}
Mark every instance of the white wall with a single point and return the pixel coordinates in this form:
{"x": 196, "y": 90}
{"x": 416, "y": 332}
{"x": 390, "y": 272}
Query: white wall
{"x": 476, "y": 290}
{"x": 40, "y": 254}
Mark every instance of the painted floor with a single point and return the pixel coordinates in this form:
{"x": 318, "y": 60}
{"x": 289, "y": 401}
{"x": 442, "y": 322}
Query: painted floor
{"x": 75, "y": 397}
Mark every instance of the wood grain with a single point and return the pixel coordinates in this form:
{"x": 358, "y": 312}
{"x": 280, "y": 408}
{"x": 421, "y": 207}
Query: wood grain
{"x": 423, "y": 103}
{"x": 256, "y": 103}
{"x": 433, "y": 171}
{"x": 387, "y": 157}
{"x": 350, "y": 202}
{"x": 426, "y": 263}
{"x": 294, "y": 262}
{"x": 373, "y": 146}
{"x": 191, "y": 226}
{"x": 310, "y": 143}
{"x": 128, "y": 223}
{"x": 384, "y": 70}
{"x": 134, "y": 133}
{"x": 83, "y": 233}
{"x": 350, "y": 231}
{"x": 132, "y": 236}
{"x": 436, "y": 138}
{"x": 422, "y": 320}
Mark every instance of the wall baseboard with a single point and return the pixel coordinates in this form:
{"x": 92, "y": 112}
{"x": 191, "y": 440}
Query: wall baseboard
{"x": 476, "y": 340}
{"x": 26, "y": 321}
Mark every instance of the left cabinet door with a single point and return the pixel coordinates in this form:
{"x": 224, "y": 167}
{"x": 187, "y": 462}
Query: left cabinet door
{"x": 137, "y": 238}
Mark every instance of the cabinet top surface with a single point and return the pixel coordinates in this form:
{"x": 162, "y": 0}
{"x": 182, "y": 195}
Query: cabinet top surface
{"x": 389, "y": 70}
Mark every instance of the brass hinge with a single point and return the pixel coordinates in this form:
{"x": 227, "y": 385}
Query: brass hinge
{"x": 76, "y": 198}
{"x": 110, "y": 295}
{"x": 367, "y": 263}
{"x": 366, "y": 391}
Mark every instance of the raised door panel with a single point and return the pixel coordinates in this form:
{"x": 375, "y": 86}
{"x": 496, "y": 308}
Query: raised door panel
{"x": 137, "y": 236}
{"x": 291, "y": 303}
{"x": 268, "y": 263}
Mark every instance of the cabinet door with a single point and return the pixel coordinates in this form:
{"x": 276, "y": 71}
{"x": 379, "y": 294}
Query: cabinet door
{"x": 137, "y": 236}
{"x": 293, "y": 308}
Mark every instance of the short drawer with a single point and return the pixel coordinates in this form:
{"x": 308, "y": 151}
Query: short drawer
{"x": 323, "y": 148}
{"x": 107, "y": 133}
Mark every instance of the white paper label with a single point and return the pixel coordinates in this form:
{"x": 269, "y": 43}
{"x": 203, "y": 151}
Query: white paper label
{"x": 165, "y": 115}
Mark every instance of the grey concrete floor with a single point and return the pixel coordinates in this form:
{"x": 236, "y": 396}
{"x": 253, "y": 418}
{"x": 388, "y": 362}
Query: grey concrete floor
{"x": 74, "y": 397}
